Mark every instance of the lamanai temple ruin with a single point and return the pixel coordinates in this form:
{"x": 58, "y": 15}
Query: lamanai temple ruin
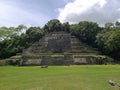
{"x": 61, "y": 48}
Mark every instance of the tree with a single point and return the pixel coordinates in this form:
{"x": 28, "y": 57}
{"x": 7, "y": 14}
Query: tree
{"x": 66, "y": 27}
{"x": 86, "y": 31}
{"x": 34, "y": 34}
{"x": 8, "y": 32}
{"x": 109, "y": 41}
{"x": 117, "y": 24}
{"x": 16, "y": 43}
{"x": 52, "y": 25}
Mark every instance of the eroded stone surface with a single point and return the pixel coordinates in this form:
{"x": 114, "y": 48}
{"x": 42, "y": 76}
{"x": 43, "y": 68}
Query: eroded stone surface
{"x": 60, "y": 48}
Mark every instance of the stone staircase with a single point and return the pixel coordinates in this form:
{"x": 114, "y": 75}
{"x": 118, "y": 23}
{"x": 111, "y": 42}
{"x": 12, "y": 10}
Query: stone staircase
{"x": 61, "y": 48}
{"x": 79, "y": 47}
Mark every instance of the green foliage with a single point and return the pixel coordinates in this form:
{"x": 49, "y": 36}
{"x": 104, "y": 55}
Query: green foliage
{"x": 8, "y": 32}
{"x": 86, "y": 31}
{"x": 34, "y": 34}
{"x": 52, "y": 25}
{"x": 66, "y": 27}
{"x": 16, "y": 43}
{"x": 109, "y": 40}
{"x": 14, "y": 39}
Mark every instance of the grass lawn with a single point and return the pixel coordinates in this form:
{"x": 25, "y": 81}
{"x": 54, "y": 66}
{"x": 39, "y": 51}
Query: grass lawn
{"x": 83, "y": 77}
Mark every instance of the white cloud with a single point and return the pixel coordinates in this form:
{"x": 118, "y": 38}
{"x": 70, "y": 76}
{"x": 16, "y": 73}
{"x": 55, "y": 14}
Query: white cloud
{"x": 11, "y": 14}
{"x": 100, "y": 11}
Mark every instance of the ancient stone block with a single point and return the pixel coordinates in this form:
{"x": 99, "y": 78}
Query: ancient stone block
{"x": 60, "y": 48}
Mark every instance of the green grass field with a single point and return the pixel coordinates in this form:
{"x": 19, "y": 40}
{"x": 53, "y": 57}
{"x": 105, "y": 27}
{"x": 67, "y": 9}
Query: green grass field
{"x": 84, "y": 77}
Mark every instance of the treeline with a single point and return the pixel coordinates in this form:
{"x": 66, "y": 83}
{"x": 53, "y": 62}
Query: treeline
{"x": 107, "y": 39}
{"x": 16, "y": 42}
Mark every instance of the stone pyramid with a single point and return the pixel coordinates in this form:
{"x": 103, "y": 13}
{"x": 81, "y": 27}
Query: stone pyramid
{"x": 61, "y": 48}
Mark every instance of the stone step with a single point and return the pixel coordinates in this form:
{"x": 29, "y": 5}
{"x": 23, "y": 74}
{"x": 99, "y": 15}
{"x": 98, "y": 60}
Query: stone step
{"x": 83, "y": 51}
{"x": 77, "y": 47}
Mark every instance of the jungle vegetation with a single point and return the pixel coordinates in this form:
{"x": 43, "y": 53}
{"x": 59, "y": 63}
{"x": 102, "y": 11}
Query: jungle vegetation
{"x": 106, "y": 38}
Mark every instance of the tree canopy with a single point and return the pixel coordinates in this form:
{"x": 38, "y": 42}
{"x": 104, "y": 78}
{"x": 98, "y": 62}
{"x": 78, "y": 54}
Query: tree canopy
{"x": 8, "y": 32}
{"x": 107, "y": 39}
{"x": 86, "y": 31}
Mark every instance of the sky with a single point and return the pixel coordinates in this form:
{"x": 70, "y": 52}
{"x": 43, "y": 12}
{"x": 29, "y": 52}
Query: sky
{"x": 39, "y": 12}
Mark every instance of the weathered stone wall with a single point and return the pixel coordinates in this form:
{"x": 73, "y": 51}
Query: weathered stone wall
{"x": 60, "y": 48}
{"x": 47, "y": 60}
{"x": 55, "y": 42}
{"x": 90, "y": 59}
{"x": 58, "y": 42}
{"x": 31, "y": 60}
{"x": 66, "y": 59}
{"x": 79, "y": 47}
